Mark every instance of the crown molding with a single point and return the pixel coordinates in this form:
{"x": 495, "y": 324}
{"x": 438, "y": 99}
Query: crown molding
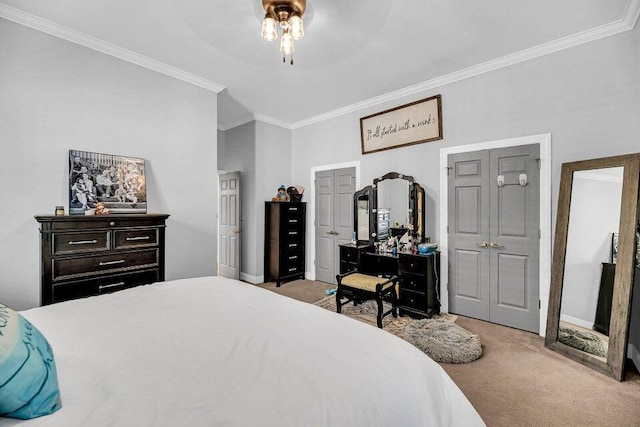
{"x": 626, "y": 23}
{"x": 270, "y": 120}
{"x": 48, "y": 27}
{"x": 258, "y": 118}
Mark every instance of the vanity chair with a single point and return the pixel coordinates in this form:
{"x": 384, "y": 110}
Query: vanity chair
{"x": 358, "y": 287}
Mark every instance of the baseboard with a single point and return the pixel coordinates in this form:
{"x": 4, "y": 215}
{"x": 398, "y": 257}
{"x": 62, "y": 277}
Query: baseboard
{"x": 251, "y": 279}
{"x": 576, "y": 321}
{"x": 634, "y": 355}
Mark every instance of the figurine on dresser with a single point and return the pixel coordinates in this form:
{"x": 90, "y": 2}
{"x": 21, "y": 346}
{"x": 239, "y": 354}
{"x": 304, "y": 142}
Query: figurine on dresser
{"x": 282, "y": 195}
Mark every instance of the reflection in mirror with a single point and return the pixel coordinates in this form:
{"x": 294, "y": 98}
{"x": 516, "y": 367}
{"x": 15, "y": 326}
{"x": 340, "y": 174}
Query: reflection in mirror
{"x": 362, "y": 206}
{"x": 393, "y": 200}
{"x": 594, "y": 217}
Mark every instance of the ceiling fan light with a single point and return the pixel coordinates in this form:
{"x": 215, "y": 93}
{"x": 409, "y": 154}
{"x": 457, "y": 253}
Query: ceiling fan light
{"x": 286, "y": 44}
{"x": 269, "y": 32}
{"x": 297, "y": 27}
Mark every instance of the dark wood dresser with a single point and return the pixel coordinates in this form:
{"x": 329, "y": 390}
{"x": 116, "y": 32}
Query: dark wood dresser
{"x": 81, "y": 256}
{"x": 418, "y": 288}
{"x": 284, "y": 241}
{"x": 351, "y": 254}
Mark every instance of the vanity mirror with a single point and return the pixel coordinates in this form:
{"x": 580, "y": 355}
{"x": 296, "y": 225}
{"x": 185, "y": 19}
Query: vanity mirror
{"x": 590, "y": 295}
{"x": 363, "y": 201}
{"x": 393, "y": 205}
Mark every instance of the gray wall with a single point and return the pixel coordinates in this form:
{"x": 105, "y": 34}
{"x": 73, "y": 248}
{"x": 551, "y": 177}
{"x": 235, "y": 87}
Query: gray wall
{"x": 262, "y": 154}
{"x": 587, "y": 97}
{"x": 56, "y": 96}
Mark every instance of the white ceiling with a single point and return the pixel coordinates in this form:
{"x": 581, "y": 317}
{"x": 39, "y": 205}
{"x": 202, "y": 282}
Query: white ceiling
{"x": 353, "y": 50}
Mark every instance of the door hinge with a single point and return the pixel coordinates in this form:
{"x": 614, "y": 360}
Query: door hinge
{"x": 448, "y": 168}
{"x": 539, "y": 161}
{"x": 539, "y": 234}
{"x": 539, "y": 304}
{"x": 314, "y": 262}
{"x": 447, "y": 229}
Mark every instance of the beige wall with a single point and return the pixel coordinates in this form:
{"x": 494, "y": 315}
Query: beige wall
{"x": 56, "y": 96}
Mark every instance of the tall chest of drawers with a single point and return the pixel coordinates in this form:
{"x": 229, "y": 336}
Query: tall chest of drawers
{"x": 82, "y": 256}
{"x": 284, "y": 241}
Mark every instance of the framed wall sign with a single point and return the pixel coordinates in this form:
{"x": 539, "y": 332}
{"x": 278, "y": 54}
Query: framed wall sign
{"x": 414, "y": 123}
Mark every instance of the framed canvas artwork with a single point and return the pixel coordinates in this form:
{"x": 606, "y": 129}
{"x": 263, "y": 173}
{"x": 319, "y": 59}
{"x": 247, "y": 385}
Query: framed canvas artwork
{"x": 116, "y": 181}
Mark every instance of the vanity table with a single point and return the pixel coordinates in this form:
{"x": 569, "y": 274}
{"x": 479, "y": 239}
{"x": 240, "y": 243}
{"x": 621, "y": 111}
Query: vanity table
{"x": 394, "y": 198}
{"x": 418, "y": 275}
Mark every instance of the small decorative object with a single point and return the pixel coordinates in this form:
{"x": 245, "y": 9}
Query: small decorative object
{"x": 408, "y": 124}
{"x": 90, "y": 212}
{"x": 116, "y": 181}
{"x": 353, "y": 238}
{"x": 614, "y": 248}
{"x": 427, "y": 248}
{"x": 295, "y": 193}
{"x": 59, "y": 210}
{"x": 282, "y": 195}
{"x": 101, "y": 209}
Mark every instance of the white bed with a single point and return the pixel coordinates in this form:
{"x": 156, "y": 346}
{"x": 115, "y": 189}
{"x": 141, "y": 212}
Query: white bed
{"x": 217, "y": 352}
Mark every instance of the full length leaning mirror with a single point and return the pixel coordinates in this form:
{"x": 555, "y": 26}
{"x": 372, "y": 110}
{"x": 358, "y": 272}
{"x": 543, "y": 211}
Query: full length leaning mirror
{"x": 593, "y": 262}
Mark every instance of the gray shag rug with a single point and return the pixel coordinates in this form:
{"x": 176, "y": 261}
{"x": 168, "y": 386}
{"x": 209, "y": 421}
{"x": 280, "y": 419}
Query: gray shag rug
{"x": 443, "y": 341}
{"x": 582, "y": 340}
{"x": 447, "y": 342}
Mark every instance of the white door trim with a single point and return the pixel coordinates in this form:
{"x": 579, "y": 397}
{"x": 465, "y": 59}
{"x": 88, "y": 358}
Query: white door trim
{"x": 544, "y": 140}
{"x": 311, "y": 211}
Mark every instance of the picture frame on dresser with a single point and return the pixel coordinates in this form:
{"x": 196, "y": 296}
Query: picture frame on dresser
{"x": 82, "y": 256}
{"x": 116, "y": 181}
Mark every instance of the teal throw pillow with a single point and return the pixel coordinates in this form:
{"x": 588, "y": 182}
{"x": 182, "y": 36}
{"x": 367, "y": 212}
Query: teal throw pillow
{"x": 28, "y": 379}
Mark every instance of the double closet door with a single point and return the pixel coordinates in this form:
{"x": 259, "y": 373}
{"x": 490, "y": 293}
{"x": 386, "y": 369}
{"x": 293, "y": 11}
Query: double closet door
{"x": 494, "y": 235}
{"x": 333, "y": 219}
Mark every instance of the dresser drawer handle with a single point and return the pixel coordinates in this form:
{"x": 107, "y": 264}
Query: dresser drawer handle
{"x": 293, "y": 233}
{"x": 113, "y": 285}
{"x": 293, "y": 209}
{"x": 293, "y": 245}
{"x": 129, "y": 239}
{"x": 293, "y": 257}
{"x": 82, "y": 242}
{"x": 293, "y": 221}
{"x": 292, "y": 269}
{"x": 120, "y": 261}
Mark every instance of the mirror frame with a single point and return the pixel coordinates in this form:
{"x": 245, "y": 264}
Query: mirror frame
{"x": 417, "y": 213}
{"x": 623, "y": 281}
{"x": 372, "y": 201}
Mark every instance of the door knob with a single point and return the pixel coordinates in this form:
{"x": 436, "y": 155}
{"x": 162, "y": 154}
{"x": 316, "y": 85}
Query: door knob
{"x": 483, "y": 245}
{"x": 495, "y": 245}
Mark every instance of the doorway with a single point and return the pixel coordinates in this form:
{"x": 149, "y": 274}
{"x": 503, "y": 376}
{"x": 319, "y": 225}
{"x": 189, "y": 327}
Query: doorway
{"x": 229, "y": 225}
{"x": 334, "y": 190}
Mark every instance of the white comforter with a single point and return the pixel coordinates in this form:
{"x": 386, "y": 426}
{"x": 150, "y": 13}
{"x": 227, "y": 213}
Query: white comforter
{"x": 217, "y": 352}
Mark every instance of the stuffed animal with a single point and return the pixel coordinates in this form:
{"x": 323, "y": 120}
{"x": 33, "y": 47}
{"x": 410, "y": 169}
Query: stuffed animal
{"x": 101, "y": 209}
{"x": 282, "y": 195}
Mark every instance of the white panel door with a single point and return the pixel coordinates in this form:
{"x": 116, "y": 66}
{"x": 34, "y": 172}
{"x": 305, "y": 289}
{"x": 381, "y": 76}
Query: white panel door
{"x": 229, "y": 247}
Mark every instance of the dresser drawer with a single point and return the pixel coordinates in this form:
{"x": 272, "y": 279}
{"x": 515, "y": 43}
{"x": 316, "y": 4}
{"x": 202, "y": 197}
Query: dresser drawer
{"x": 416, "y": 300}
{"x": 293, "y": 221}
{"x": 83, "y": 242}
{"x": 413, "y": 283}
{"x": 136, "y": 238}
{"x": 103, "y": 285}
{"x": 413, "y": 265}
{"x": 68, "y": 268}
